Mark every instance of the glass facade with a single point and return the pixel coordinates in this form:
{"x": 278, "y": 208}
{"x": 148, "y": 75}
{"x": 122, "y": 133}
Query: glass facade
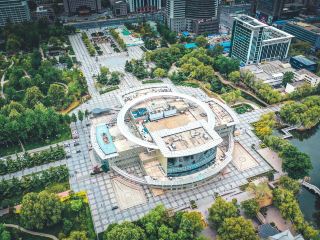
{"x": 185, "y": 165}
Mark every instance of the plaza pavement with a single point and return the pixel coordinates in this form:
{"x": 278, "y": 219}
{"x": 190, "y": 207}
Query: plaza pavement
{"x": 99, "y": 187}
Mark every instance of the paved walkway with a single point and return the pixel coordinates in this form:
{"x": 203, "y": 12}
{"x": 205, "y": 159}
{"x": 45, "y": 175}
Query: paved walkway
{"x": 30, "y": 232}
{"x": 35, "y": 169}
{"x": 2, "y": 82}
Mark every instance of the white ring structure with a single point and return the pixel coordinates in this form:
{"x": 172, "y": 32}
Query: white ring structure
{"x": 125, "y": 131}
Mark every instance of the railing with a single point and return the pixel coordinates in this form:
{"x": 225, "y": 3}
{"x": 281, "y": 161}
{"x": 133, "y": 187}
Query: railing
{"x": 311, "y": 187}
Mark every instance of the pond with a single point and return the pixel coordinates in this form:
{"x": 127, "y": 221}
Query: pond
{"x": 309, "y": 142}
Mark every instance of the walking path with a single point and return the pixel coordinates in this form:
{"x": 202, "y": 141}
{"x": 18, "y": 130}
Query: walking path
{"x": 3, "y": 81}
{"x": 35, "y": 169}
{"x": 311, "y": 187}
{"x": 31, "y": 232}
{"x": 243, "y": 90}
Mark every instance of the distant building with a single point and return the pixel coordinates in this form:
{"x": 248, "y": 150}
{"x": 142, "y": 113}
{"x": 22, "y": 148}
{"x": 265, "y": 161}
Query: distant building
{"x": 270, "y": 72}
{"x": 301, "y": 62}
{"x": 14, "y": 11}
{"x": 120, "y": 8}
{"x": 304, "y": 32}
{"x": 195, "y": 16}
{"x": 253, "y": 41}
{"x": 176, "y": 15}
{"x": 142, "y": 6}
{"x": 268, "y": 11}
{"x": 43, "y": 12}
{"x": 81, "y": 7}
{"x": 307, "y": 76}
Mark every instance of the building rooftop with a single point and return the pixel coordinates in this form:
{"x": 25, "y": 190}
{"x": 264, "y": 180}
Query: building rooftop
{"x": 250, "y": 21}
{"x": 307, "y": 26}
{"x": 304, "y": 60}
{"x": 272, "y": 33}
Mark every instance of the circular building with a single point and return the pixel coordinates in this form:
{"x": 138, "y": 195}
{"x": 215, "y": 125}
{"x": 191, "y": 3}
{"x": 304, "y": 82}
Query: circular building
{"x": 177, "y": 140}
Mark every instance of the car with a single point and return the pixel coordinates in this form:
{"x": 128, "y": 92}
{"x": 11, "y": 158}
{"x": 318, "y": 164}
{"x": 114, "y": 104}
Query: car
{"x": 67, "y": 144}
{"x": 78, "y": 151}
{"x": 68, "y": 156}
{"x": 114, "y": 208}
{"x": 76, "y": 144}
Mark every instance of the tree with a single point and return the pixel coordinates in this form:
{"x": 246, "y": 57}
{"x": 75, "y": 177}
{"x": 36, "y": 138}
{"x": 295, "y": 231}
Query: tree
{"x": 234, "y": 77}
{"x": 74, "y": 117}
{"x": 39, "y": 210}
{"x": 4, "y": 234}
{"x": 125, "y": 231}
{"x": 216, "y": 50}
{"x": 12, "y": 45}
{"x": 80, "y": 115}
{"x": 86, "y": 113}
{"x": 32, "y": 96}
{"x": 56, "y": 95}
{"x": 128, "y": 66}
{"x": 221, "y": 210}
{"x": 237, "y": 228}
{"x": 289, "y": 184}
{"x": 159, "y": 73}
{"x": 251, "y": 207}
{"x": 77, "y": 235}
{"x": 201, "y": 41}
{"x": 191, "y": 224}
{"x": 287, "y": 78}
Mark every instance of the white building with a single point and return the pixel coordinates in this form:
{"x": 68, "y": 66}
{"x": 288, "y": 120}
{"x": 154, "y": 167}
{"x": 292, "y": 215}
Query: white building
{"x": 178, "y": 140}
{"x": 300, "y": 77}
{"x": 14, "y": 11}
{"x": 253, "y": 41}
{"x": 269, "y": 72}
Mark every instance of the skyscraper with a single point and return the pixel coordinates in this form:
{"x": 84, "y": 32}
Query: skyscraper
{"x": 268, "y": 11}
{"x": 13, "y": 11}
{"x": 197, "y": 16}
{"x": 144, "y": 5}
{"x": 81, "y": 6}
{"x": 253, "y": 41}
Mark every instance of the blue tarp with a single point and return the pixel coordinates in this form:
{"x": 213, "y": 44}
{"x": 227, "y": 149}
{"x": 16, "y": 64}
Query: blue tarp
{"x": 186, "y": 34}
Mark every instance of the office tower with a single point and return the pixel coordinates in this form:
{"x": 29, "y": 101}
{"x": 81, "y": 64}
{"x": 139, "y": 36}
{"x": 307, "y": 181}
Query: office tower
{"x": 305, "y": 32}
{"x": 253, "y": 41}
{"x": 81, "y": 7}
{"x": 14, "y": 11}
{"x": 176, "y": 15}
{"x": 197, "y": 16}
{"x": 202, "y": 16}
{"x": 268, "y": 11}
{"x": 141, "y": 6}
{"x": 120, "y": 8}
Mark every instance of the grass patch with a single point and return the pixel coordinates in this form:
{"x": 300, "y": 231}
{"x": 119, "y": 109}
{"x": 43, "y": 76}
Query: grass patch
{"x": 152, "y": 81}
{"x": 72, "y": 106}
{"x": 189, "y": 84}
{"x": 242, "y": 108}
{"x": 109, "y": 89}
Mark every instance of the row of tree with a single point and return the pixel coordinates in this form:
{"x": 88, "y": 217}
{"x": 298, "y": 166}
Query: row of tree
{"x": 305, "y": 113}
{"x": 39, "y": 124}
{"x": 108, "y": 78}
{"x": 88, "y": 44}
{"x": 11, "y": 165}
{"x": 118, "y": 39}
{"x": 159, "y": 223}
{"x": 27, "y": 36}
{"x": 11, "y": 190}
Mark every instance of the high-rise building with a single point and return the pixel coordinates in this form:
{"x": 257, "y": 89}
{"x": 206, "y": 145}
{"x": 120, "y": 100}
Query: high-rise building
{"x": 14, "y": 11}
{"x": 176, "y": 15}
{"x": 305, "y": 32}
{"x": 197, "y": 16}
{"x": 81, "y": 7}
{"x": 120, "y": 8}
{"x": 141, "y": 6}
{"x": 268, "y": 11}
{"x": 253, "y": 41}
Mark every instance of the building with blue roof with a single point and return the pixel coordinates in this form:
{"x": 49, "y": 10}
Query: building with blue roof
{"x": 301, "y": 62}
